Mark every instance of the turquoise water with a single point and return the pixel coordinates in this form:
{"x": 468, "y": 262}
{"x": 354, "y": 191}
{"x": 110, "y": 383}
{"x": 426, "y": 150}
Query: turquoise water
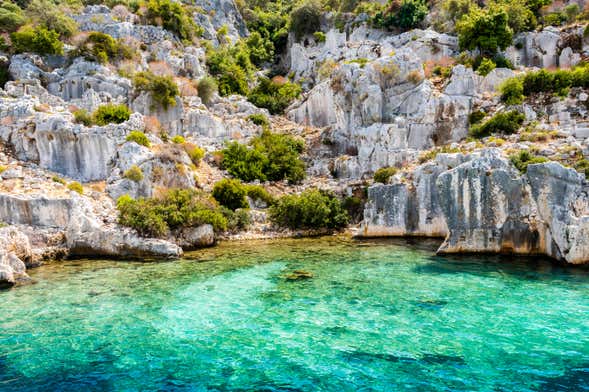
{"x": 375, "y": 316}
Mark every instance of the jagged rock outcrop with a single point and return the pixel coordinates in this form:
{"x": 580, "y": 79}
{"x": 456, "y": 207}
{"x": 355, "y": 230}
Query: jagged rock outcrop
{"x": 487, "y": 207}
{"x": 216, "y": 14}
{"x": 15, "y": 252}
{"x": 482, "y": 204}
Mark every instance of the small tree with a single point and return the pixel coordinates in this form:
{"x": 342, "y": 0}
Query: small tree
{"x": 305, "y": 19}
{"x": 230, "y": 193}
{"x": 485, "y": 30}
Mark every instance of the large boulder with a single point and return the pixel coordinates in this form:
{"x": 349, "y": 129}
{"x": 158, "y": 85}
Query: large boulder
{"x": 15, "y": 252}
{"x": 87, "y": 236}
{"x": 562, "y": 200}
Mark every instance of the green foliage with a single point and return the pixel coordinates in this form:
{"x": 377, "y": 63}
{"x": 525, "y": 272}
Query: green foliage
{"x": 506, "y": 123}
{"x": 305, "y": 19}
{"x": 195, "y": 153}
{"x": 111, "y": 113}
{"x": 230, "y": 193}
{"x": 524, "y": 158}
{"x": 451, "y": 11}
{"x": 259, "y": 119}
{"x": 486, "y": 30}
{"x": 274, "y": 96}
{"x": 37, "y": 40}
{"x": 409, "y": 15}
{"x": 178, "y": 139}
{"x": 476, "y": 117}
{"x": 383, "y": 174}
{"x": 260, "y": 50}
{"x": 232, "y": 67}
{"x": 177, "y": 208}
{"x": 270, "y": 20}
{"x": 512, "y": 91}
{"x": 237, "y": 220}
{"x": 11, "y": 17}
{"x": 270, "y": 157}
{"x": 319, "y": 36}
{"x": 258, "y": 192}
{"x": 58, "y": 179}
{"x": 313, "y": 209}
{"x": 103, "y": 48}
{"x": 520, "y": 16}
{"x": 76, "y": 187}
{"x": 207, "y": 87}
{"x": 582, "y": 165}
{"x": 81, "y": 116}
{"x": 172, "y": 16}
{"x": 51, "y": 16}
{"x": 486, "y": 66}
{"x": 162, "y": 89}
{"x": 134, "y": 173}
{"x": 139, "y": 138}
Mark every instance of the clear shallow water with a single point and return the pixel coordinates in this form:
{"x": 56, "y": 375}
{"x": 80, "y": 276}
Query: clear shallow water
{"x": 382, "y": 316}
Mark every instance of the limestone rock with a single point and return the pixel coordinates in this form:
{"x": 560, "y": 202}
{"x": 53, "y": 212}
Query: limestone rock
{"x": 189, "y": 238}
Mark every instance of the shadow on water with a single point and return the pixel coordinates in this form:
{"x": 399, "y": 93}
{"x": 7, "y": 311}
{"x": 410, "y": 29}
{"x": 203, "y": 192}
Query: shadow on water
{"x": 574, "y": 379}
{"x": 521, "y": 267}
{"x": 424, "y": 360}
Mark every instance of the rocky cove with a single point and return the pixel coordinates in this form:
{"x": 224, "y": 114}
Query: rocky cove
{"x": 370, "y": 100}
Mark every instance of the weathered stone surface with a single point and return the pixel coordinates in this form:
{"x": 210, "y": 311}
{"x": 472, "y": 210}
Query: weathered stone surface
{"x": 15, "y": 251}
{"x": 35, "y": 210}
{"x": 86, "y": 236}
{"x": 561, "y": 196}
{"x": 487, "y": 208}
{"x": 194, "y": 237}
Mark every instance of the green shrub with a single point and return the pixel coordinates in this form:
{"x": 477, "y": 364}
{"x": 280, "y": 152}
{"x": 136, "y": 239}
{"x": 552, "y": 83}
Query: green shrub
{"x": 486, "y": 66}
{"x": 512, "y": 91}
{"x": 237, "y": 220}
{"x": 58, "y": 179}
{"x": 232, "y": 67}
{"x": 178, "y": 139}
{"x": 76, "y": 187}
{"x": 582, "y": 165}
{"x": 230, "y": 193}
{"x": 524, "y": 158}
{"x": 476, "y": 117}
{"x": 162, "y": 89}
{"x": 207, "y": 87}
{"x": 384, "y": 174}
{"x": 11, "y": 17}
{"x": 261, "y": 50}
{"x": 37, "y": 40}
{"x": 409, "y": 14}
{"x": 81, "y": 116}
{"x": 319, "y": 36}
{"x": 195, "y": 153}
{"x": 111, "y": 113}
{"x": 486, "y": 30}
{"x": 172, "y": 17}
{"x": 259, "y": 119}
{"x": 270, "y": 157}
{"x": 176, "y": 208}
{"x": 313, "y": 209}
{"x": 139, "y": 138}
{"x": 305, "y": 19}
{"x": 274, "y": 96}
{"x": 258, "y": 192}
{"x": 506, "y": 123}
{"x": 103, "y": 48}
{"x": 52, "y": 16}
{"x": 134, "y": 173}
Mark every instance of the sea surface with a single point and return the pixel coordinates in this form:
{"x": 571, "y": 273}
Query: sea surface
{"x": 357, "y": 316}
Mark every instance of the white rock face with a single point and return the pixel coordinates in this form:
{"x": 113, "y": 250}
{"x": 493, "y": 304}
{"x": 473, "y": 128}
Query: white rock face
{"x": 15, "y": 251}
{"x": 481, "y": 204}
{"x": 378, "y": 112}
